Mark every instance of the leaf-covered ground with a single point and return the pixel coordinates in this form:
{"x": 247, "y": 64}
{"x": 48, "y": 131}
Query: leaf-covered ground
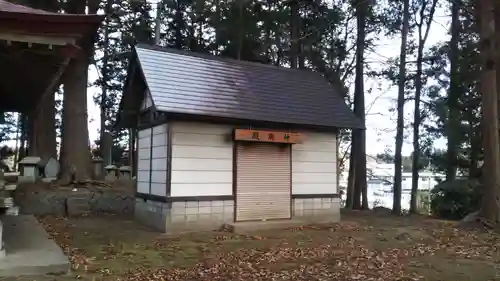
{"x": 365, "y": 246}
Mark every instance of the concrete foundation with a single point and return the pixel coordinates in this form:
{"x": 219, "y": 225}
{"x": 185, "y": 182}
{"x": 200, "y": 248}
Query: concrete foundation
{"x": 184, "y": 216}
{"x": 210, "y": 215}
{"x": 29, "y": 249}
{"x": 316, "y": 210}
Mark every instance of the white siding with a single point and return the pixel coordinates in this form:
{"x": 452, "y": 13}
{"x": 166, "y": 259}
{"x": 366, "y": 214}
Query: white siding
{"x": 202, "y": 159}
{"x": 159, "y": 160}
{"x": 143, "y": 161}
{"x": 152, "y": 161}
{"x": 314, "y": 164}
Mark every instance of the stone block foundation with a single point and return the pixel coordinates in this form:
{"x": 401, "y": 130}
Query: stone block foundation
{"x": 74, "y": 203}
{"x": 184, "y": 216}
{"x": 316, "y": 210}
{"x": 175, "y": 217}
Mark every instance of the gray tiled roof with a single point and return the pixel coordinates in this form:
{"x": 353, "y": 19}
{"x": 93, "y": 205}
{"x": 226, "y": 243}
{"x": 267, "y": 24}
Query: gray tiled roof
{"x": 190, "y": 83}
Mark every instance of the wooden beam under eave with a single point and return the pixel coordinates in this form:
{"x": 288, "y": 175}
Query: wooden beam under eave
{"x": 37, "y": 39}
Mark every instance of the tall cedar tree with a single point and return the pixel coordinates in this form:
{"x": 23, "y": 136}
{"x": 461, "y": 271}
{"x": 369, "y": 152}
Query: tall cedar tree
{"x": 75, "y": 151}
{"x": 452, "y": 128}
{"x": 490, "y": 208}
{"x": 358, "y": 147}
{"x": 396, "y": 207}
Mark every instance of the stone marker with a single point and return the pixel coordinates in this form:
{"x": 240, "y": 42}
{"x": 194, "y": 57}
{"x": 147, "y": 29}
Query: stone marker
{"x": 51, "y": 169}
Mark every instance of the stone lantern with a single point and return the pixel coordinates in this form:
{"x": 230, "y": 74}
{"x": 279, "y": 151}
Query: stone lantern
{"x": 30, "y": 168}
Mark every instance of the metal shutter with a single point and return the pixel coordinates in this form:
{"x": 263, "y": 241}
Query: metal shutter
{"x": 263, "y": 181}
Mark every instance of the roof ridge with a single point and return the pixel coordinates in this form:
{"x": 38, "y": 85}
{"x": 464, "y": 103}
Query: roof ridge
{"x": 222, "y": 59}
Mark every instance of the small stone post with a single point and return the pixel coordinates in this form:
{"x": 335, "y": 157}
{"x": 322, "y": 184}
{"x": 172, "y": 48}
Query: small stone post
{"x": 98, "y": 168}
{"x": 125, "y": 173}
{"x": 2, "y": 180}
{"x": 2, "y": 248}
{"x": 111, "y": 173}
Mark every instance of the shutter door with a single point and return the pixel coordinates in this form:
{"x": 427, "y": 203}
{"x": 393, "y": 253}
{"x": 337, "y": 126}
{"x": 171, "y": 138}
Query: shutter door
{"x": 263, "y": 182}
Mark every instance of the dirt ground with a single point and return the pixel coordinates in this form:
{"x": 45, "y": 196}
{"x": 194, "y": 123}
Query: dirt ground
{"x": 364, "y": 246}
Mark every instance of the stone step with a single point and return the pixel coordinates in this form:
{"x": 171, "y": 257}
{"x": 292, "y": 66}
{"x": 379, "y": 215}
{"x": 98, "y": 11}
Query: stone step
{"x": 12, "y": 211}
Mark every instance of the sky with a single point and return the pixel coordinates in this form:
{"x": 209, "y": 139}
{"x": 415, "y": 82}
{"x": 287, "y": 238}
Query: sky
{"x": 380, "y": 122}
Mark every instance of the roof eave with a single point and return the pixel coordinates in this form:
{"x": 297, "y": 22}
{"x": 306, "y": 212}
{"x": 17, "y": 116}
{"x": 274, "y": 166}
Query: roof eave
{"x": 120, "y": 123}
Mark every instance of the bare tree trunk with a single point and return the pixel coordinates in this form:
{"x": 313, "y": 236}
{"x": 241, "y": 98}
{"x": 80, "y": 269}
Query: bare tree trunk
{"x": 24, "y": 133}
{"x": 18, "y": 130}
{"x": 294, "y": 33}
{"x": 497, "y": 37}
{"x": 422, "y": 38}
{"x": 105, "y": 151}
{"x": 75, "y": 151}
{"x": 490, "y": 207}
{"x": 241, "y": 29}
{"x": 453, "y": 95}
{"x": 359, "y": 150}
{"x": 44, "y": 131}
{"x": 217, "y": 25}
{"x": 396, "y": 207}
{"x": 179, "y": 38}
{"x": 349, "y": 203}
{"x": 301, "y": 56}
{"x": 75, "y": 155}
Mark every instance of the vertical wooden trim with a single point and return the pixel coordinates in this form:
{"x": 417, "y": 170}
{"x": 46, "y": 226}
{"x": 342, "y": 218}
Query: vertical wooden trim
{"x": 135, "y": 162}
{"x": 291, "y": 184}
{"x": 150, "y": 159}
{"x": 337, "y": 165}
{"x": 169, "y": 159}
{"x": 235, "y": 171}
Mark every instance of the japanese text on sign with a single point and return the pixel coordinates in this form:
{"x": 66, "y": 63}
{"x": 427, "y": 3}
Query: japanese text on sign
{"x": 266, "y": 136}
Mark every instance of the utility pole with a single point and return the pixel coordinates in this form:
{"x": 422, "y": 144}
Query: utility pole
{"x": 159, "y": 5}
{"x": 158, "y": 22}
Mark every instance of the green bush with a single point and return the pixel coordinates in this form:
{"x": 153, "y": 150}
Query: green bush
{"x": 454, "y": 200}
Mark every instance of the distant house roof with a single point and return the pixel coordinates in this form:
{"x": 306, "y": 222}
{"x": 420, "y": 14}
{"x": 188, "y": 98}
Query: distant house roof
{"x": 197, "y": 84}
{"x": 19, "y": 12}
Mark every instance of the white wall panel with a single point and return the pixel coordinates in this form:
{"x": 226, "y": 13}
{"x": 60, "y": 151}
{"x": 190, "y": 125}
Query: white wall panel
{"x": 159, "y": 160}
{"x": 158, "y": 189}
{"x": 143, "y": 162}
{"x": 144, "y": 133}
{"x": 314, "y": 164}
{"x": 152, "y": 160}
{"x": 202, "y": 159}
{"x": 144, "y": 153}
{"x": 142, "y": 187}
{"x": 159, "y": 164}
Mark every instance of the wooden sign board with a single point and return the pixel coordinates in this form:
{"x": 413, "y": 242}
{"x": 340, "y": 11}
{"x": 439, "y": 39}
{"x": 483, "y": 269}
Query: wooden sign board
{"x": 266, "y": 136}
